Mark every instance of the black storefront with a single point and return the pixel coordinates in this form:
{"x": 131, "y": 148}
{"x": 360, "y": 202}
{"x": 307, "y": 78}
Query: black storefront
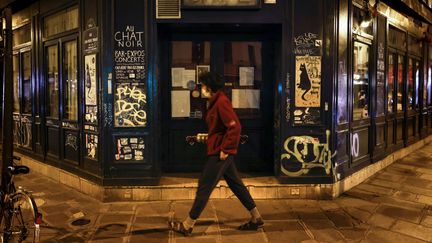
{"x": 109, "y": 90}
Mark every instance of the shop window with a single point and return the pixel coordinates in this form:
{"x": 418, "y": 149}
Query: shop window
{"x": 189, "y": 60}
{"x": 362, "y": 22}
{"x": 390, "y": 84}
{"x": 414, "y": 45}
{"x": 400, "y": 82}
{"x": 26, "y": 83}
{"x": 53, "y": 82}
{"x": 21, "y": 35}
{"x": 429, "y": 79}
{"x": 416, "y": 83}
{"x": 397, "y": 38}
{"x": 61, "y": 22}
{"x": 411, "y": 84}
{"x": 361, "y": 81}
{"x": 243, "y": 77}
{"x": 70, "y": 81}
{"x": 15, "y": 68}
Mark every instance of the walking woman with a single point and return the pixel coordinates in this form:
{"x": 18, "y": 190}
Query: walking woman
{"x": 222, "y": 142}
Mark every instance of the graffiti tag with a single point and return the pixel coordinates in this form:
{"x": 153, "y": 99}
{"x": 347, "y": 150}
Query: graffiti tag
{"x": 129, "y": 106}
{"x": 298, "y": 149}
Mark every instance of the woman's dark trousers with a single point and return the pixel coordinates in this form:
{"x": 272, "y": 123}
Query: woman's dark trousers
{"x": 213, "y": 172}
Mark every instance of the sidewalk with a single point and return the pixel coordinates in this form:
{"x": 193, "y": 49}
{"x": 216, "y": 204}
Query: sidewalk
{"x": 393, "y": 206}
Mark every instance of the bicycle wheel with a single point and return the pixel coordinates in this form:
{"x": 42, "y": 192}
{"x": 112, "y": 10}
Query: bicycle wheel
{"x": 20, "y": 221}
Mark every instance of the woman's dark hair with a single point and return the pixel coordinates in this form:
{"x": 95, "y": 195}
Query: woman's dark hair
{"x": 212, "y": 80}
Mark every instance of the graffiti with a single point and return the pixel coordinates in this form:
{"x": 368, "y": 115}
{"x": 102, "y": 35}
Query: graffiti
{"x": 307, "y": 44}
{"x": 355, "y": 146}
{"x": 91, "y": 145}
{"x": 308, "y": 116}
{"x": 129, "y": 106}
{"x": 108, "y": 115}
{"x": 130, "y": 149}
{"x": 288, "y": 100}
{"x": 71, "y": 141}
{"x": 308, "y": 81}
{"x": 307, "y": 153}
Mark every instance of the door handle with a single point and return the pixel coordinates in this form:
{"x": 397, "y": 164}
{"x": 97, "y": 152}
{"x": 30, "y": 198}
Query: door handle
{"x": 201, "y": 138}
{"x": 244, "y": 139}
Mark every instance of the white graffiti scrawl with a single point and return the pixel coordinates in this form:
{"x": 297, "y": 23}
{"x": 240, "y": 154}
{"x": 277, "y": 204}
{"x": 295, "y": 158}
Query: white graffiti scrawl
{"x": 129, "y": 108}
{"x": 307, "y": 152}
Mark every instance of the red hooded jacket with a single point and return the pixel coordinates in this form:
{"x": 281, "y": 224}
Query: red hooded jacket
{"x": 223, "y": 126}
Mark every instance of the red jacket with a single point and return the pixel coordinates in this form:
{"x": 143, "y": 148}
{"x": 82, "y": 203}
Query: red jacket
{"x": 223, "y": 126}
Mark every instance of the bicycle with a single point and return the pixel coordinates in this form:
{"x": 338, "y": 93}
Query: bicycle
{"x": 19, "y": 216}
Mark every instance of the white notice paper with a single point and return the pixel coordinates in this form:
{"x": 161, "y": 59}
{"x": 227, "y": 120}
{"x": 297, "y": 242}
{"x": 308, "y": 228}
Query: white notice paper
{"x": 180, "y": 103}
{"x": 246, "y": 98}
{"x": 188, "y": 75}
{"x": 177, "y": 77}
{"x": 247, "y": 76}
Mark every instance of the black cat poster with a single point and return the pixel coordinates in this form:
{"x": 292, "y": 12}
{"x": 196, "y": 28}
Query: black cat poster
{"x": 308, "y": 81}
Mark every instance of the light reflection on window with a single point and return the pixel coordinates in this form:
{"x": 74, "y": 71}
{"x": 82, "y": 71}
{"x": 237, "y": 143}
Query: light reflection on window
{"x": 361, "y": 81}
{"x": 400, "y": 83}
{"x": 390, "y": 84}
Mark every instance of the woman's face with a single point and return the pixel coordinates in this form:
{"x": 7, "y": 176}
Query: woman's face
{"x": 206, "y": 91}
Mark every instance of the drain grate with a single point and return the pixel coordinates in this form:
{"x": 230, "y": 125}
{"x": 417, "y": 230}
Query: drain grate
{"x": 80, "y": 222}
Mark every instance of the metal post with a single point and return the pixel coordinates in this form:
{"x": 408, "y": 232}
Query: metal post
{"x": 7, "y": 151}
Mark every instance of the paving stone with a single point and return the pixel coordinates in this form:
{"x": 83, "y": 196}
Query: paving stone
{"x": 324, "y": 231}
{"x": 386, "y": 236}
{"x": 122, "y": 207}
{"x": 405, "y": 196}
{"x": 340, "y": 219}
{"x": 115, "y": 218}
{"x": 400, "y": 213}
{"x": 229, "y": 210}
{"x": 181, "y": 210}
{"x": 328, "y": 205}
{"x": 309, "y": 213}
{"x": 381, "y": 221}
{"x": 284, "y": 232}
{"x": 348, "y": 201}
{"x": 391, "y": 177}
{"x": 358, "y": 214}
{"x": 153, "y": 208}
{"x": 275, "y": 210}
{"x": 375, "y": 189}
{"x": 110, "y": 232}
{"x": 413, "y": 230}
{"x": 354, "y": 234}
{"x": 385, "y": 183}
{"x": 424, "y": 199}
{"x": 427, "y": 221}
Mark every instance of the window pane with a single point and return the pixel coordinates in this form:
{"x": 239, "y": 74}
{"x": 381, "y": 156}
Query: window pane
{"x": 70, "y": 72}
{"x": 361, "y": 81}
{"x": 390, "y": 84}
{"x": 16, "y": 104}
{"x": 21, "y": 35}
{"x": 243, "y": 75}
{"x": 410, "y": 85}
{"x": 400, "y": 82}
{"x": 397, "y": 38}
{"x": 53, "y": 82}
{"x": 362, "y": 21}
{"x": 61, "y": 22}
{"x": 26, "y": 82}
{"x": 189, "y": 59}
{"x": 417, "y": 82}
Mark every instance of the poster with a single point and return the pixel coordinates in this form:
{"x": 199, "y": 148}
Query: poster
{"x": 90, "y": 80}
{"x": 91, "y": 114}
{"x": 129, "y": 55}
{"x": 245, "y": 98}
{"x": 91, "y": 40}
{"x": 200, "y": 69}
{"x": 247, "y": 76}
{"x": 308, "y": 81}
{"x": 91, "y": 141}
{"x": 177, "y": 77}
{"x": 188, "y": 77}
{"x": 180, "y": 103}
{"x": 130, "y": 148}
{"x": 129, "y": 106}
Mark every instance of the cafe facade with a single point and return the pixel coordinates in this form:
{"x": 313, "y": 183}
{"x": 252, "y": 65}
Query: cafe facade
{"x": 109, "y": 90}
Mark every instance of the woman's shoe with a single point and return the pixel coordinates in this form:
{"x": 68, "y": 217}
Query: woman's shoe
{"x": 179, "y": 228}
{"x": 252, "y": 225}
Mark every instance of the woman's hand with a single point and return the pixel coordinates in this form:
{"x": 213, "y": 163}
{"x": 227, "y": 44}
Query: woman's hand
{"x": 222, "y": 155}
